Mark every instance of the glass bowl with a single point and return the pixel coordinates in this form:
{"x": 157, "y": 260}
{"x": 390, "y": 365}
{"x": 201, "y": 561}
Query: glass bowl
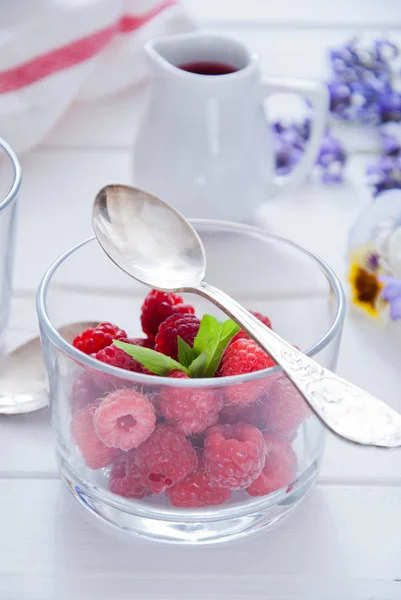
{"x": 266, "y": 273}
{"x": 10, "y": 181}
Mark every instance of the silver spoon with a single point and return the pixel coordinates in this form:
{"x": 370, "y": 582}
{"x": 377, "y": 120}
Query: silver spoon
{"x": 155, "y": 244}
{"x": 23, "y": 386}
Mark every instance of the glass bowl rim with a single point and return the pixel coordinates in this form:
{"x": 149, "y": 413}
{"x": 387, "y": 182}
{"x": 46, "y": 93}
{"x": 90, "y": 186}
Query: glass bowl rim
{"x": 10, "y": 196}
{"x": 91, "y": 363}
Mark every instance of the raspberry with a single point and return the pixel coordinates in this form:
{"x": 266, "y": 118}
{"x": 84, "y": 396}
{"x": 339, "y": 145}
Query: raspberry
{"x": 242, "y": 335}
{"x": 164, "y": 459}
{"x": 245, "y": 356}
{"x": 234, "y": 455}
{"x": 254, "y": 414}
{"x": 157, "y": 307}
{"x": 117, "y": 358}
{"x": 143, "y": 342}
{"x": 286, "y": 408}
{"x": 124, "y": 419}
{"x": 190, "y": 410}
{"x": 94, "y": 339}
{"x": 94, "y": 452}
{"x": 196, "y": 490}
{"x": 83, "y": 393}
{"x": 197, "y": 441}
{"x": 280, "y": 467}
{"x": 129, "y": 486}
{"x": 184, "y": 326}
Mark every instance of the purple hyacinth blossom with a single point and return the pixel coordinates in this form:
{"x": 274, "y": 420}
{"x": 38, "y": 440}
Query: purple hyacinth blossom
{"x": 391, "y": 144}
{"x": 385, "y": 174}
{"x": 392, "y": 294}
{"x": 362, "y": 84}
{"x": 340, "y": 96}
{"x": 331, "y": 159}
{"x": 290, "y": 141}
{"x": 390, "y": 106}
{"x": 385, "y": 50}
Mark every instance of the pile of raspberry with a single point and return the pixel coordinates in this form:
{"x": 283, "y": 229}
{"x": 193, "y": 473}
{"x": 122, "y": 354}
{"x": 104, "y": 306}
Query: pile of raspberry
{"x": 194, "y": 444}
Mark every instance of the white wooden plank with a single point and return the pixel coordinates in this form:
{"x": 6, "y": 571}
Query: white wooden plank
{"x": 113, "y": 122}
{"x": 288, "y": 12}
{"x": 55, "y": 205}
{"x": 317, "y": 553}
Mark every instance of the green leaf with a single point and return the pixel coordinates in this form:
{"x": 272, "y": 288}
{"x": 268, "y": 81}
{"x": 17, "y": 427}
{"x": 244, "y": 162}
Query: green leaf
{"x": 153, "y": 361}
{"x": 228, "y": 331}
{"x": 198, "y": 366}
{"x": 212, "y": 339}
{"x": 209, "y": 328}
{"x": 186, "y": 354}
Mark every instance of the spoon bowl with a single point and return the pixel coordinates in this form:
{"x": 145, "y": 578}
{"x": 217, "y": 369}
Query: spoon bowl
{"x": 23, "y": 387}
{"x": 125, "y": 219}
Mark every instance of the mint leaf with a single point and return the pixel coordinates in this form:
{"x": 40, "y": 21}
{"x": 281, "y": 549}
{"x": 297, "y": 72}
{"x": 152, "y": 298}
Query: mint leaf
{"x": 186, "y": 354}
{"x": 228, "y": 330}
{"x": 209, "y": 328}
{"x": 212, "y": 339}
{"x": 198, "y": 366}
{"x": 153, "y": 361}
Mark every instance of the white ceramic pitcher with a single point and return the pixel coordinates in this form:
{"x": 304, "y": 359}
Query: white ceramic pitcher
{"x": 204, "y": 145}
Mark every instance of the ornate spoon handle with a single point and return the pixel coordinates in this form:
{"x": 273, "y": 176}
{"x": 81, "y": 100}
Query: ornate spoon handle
{"x": 346, "y": 409}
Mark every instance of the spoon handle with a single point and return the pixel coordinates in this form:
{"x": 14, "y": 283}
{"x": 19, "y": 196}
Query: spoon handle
{"x": 347, "y": 410}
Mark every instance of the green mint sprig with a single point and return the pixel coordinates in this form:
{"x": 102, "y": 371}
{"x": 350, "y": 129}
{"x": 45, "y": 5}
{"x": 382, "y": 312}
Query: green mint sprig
{"x": 202, "y": 360}
{"x": 155, "y": 362}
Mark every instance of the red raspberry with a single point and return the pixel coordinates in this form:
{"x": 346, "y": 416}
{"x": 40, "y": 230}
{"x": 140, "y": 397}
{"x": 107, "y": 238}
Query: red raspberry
{"x": 124, "y": 419}
{"x": 286, "y": 408}
{"x": 254, "y": 414}
{"x": 164, "y": 459}
{"x": 242, "y": 335}
{"x": 234, "y": 455}
{"x": 94, "y": 452}
{"x": 196, "y": 490}
{"x": 143, "y": 342}
{"x": 83, "y": 393}
{"x": 94, "y": 339}
{"x": 117, "y": 358}
{"x": 190, "y": 410}
{"x": 184, "y": 326}
{"x": 129, "y": 486}
{"x": 157, "y": 307}
{"x": 245, "y": 356}
{"x": 280, "y": 467}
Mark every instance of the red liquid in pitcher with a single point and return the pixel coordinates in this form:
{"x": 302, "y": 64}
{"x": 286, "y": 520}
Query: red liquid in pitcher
{"x": 208, "y": 68}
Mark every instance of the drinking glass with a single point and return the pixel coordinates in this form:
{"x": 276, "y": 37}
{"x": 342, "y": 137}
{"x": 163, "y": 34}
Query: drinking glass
{"x": 10, "y": 180}
{"x": 266, "y": 273}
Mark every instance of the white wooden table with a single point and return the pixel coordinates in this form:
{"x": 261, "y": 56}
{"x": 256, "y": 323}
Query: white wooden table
{"x": 344, "y": 541}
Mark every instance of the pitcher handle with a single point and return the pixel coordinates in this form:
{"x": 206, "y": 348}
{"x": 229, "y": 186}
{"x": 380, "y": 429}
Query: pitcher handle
{"x": 318, "y": 96}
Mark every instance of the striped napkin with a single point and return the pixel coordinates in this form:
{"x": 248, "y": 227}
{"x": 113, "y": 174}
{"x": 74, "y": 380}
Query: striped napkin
{"x": 54, "y": 52}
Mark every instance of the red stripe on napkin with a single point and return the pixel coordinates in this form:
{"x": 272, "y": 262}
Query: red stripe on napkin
{"x": 131, "y": 22}
{"x": 74, "y": 53}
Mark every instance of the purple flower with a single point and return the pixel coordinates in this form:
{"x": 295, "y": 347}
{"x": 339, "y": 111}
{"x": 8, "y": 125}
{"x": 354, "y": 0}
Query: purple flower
{"x": 391, "y": 145}
{"x": 290, "y": 141}
{"x": 385, "y": 50}
{"x": 331, "y": 159}
{"x": 373, "y": 261}
{"x": 392, "y": 293}
{"x": 385, "y": 174}
{"x": 390, "y": 106}
{"x": 361, "y": 87}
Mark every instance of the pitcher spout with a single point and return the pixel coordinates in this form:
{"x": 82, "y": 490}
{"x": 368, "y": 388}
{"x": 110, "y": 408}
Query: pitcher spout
{"x": 176, "y": 52}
